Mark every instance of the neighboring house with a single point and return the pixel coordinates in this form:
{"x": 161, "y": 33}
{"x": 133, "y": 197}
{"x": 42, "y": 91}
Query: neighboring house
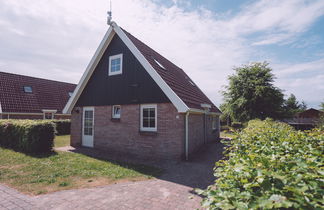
{"x": 133, "y": 101}
{"x": 24, "y": 97}
{"x": 306, "y": 119}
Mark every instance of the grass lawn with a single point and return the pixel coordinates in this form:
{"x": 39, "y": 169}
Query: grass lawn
{"x": 62, "y": 141}
{"x": 64, "y": 170}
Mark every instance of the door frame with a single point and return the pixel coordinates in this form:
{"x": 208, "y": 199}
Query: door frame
{"x": 88, "y": 108}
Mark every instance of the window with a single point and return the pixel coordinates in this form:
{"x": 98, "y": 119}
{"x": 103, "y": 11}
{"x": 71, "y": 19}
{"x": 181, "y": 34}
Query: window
{"x": 159, "y": 64}
{"x": 115, "y": 64}
{"x": 48, "y": 115}
{"x": 214, "y": 123}
{"x": 28, "y": 89}
{"x": 116, "y": 109}
{"x": 70, "y": 94}
{"x": 149, "y": 117}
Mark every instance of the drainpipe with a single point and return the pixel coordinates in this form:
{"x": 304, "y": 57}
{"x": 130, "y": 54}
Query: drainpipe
{"x": 187, "y": 135}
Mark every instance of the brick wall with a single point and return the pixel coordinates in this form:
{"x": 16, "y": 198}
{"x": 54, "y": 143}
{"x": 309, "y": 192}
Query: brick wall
{"x": 196, "y": 131}
{"x": 124, "y": 135}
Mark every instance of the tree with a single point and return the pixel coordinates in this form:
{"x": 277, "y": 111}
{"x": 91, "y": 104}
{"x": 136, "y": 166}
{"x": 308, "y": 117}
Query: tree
{"x": 251, "y": 94}
{"x": 322, "y": 106}
{"x": 291, "y": 106}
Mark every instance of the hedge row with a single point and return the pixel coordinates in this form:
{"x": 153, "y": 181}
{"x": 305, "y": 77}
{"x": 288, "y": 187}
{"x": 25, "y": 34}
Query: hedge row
{"x": 30, "y": 136}
{"x": 63, "y": 127}
{"x": 269, "y": 165}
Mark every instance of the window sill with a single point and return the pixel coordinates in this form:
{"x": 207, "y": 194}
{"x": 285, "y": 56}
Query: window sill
{"x": 148, "y": 133}
{"x": 115, "y": 119}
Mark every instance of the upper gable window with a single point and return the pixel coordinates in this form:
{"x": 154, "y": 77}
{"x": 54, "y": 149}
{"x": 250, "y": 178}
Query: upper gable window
{"x": 115, "y": 64}
{"x": 28, "y": 89}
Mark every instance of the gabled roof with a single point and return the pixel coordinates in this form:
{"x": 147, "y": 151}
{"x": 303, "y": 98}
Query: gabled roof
{"x": 174, "y": 82}
{"x": 46, "y": 94}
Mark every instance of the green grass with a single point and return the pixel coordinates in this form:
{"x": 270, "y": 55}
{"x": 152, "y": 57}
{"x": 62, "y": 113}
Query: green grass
{"x": 62, "y": 141}
{"x": 64, "y": 170}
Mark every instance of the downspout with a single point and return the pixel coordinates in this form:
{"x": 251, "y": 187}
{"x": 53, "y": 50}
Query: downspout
{"x": 187, "y": 134}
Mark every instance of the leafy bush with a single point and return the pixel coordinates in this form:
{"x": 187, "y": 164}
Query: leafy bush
{"x": 237, "y": 125}
{"x": 269, "y": 165}
{"x": 63, "y": 127}
{"x": 31, "y": 136}
{"x": 225, "y": 128}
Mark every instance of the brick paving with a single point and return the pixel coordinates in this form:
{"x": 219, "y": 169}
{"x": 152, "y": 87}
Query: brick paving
{"x": 173, "y": 190}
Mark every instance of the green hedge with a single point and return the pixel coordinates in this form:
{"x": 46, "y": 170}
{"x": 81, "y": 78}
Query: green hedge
{"x": 269, "y": 165}
{"x": 30, "y": 136}
{"x": 63, "y": 127}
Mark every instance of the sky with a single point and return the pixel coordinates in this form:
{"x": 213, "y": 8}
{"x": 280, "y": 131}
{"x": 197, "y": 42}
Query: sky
{"x": 56, "y": 39}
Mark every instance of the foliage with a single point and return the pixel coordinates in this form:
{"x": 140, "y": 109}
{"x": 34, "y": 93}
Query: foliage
{"x": 251, "y": 94}
{"x": 269, "y": 165}
{"x": 291, "y": 106}
{"x": 32, "y": 136}
{"x": 64, "y": 170}
{"x": 322, "y": 106}
{"x": 237, "y": 125}
{"x": 63, "y": 127}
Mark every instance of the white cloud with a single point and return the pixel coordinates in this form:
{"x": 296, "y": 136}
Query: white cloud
{"x": 56, "y": 39}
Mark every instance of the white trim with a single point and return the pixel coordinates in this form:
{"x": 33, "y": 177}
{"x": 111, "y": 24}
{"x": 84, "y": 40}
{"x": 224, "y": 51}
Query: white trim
{"x": 148, "y": 106}
{"x": 0, "y": 108}
{"x": 49, "y": 110}
{"x": 113, "y": 115}
{"x": 89, "y": 70}
{"x": 120, "y": 56}
{"x": 173, "y": 97}
{"x": 203, "y": 112}
{"x": 208, "y": 106}
{"x": 93, "y": 127}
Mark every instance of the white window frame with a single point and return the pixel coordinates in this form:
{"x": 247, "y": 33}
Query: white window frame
{"x": 110, "y": 73}
{"x": 113, "y": 115}
{"x": 48, "y": 111}
{"x": 148, "y": 106}
{"x": 214, "y": 123}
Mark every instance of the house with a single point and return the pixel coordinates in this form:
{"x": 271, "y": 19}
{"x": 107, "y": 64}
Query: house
{"x": 133, "y": 101}
{"x": 306, "y": 119}
{"x": 24, "y": 97}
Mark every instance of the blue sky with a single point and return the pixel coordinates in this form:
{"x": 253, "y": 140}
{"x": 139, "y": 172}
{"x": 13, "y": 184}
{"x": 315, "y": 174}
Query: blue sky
{"x": 207, "y": 38}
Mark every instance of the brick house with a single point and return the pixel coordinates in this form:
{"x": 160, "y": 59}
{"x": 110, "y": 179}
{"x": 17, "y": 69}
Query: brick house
{"x": 24, "y": 97}
{"x": 133, "y": 101}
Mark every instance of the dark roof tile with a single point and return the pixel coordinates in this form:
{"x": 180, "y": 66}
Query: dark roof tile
{"x": 47, "y": 94}
{"x": 174, "y": 76}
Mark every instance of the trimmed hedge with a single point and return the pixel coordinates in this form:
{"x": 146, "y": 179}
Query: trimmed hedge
{"x": 269, "y": 165}
{"x": 63, "y": 127}
{"x": 30, "y": 136}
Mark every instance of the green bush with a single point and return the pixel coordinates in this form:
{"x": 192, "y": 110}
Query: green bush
{"x": 237, "y": 125}
{"x": 269, "y": 165}
{"x": 63, "y": 127}
{"x": 225, "y": 128}
{"x": 30, "y": 136}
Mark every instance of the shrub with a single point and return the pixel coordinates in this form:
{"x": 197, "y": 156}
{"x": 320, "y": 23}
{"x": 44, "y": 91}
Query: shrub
{"x": 237, "y": 125}
{"x": 225, "y": 128}
{"x": 63, "y": 127}
{"x": 269, "y": 165}
{"x": 30, "y": 136}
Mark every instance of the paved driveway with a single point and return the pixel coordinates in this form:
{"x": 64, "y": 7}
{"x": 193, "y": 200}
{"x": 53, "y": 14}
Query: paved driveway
{"x": 173, "y": 190}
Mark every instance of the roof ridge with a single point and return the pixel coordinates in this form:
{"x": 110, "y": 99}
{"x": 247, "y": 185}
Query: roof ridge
{"x": 21, "y": 75}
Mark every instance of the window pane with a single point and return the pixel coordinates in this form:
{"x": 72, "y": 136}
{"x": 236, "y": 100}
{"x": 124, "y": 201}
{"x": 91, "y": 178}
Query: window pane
{"x": 152, "y": 123}
{"x": 152, "y": 112}
{"x": 145, "y": 112}
{"x": 145, "y": 123}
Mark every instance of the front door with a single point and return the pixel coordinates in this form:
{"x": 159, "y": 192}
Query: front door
{"x": 87, "y": 128}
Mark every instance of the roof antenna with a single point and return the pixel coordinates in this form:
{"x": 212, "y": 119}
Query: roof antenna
{"x": 109, "y": 22}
